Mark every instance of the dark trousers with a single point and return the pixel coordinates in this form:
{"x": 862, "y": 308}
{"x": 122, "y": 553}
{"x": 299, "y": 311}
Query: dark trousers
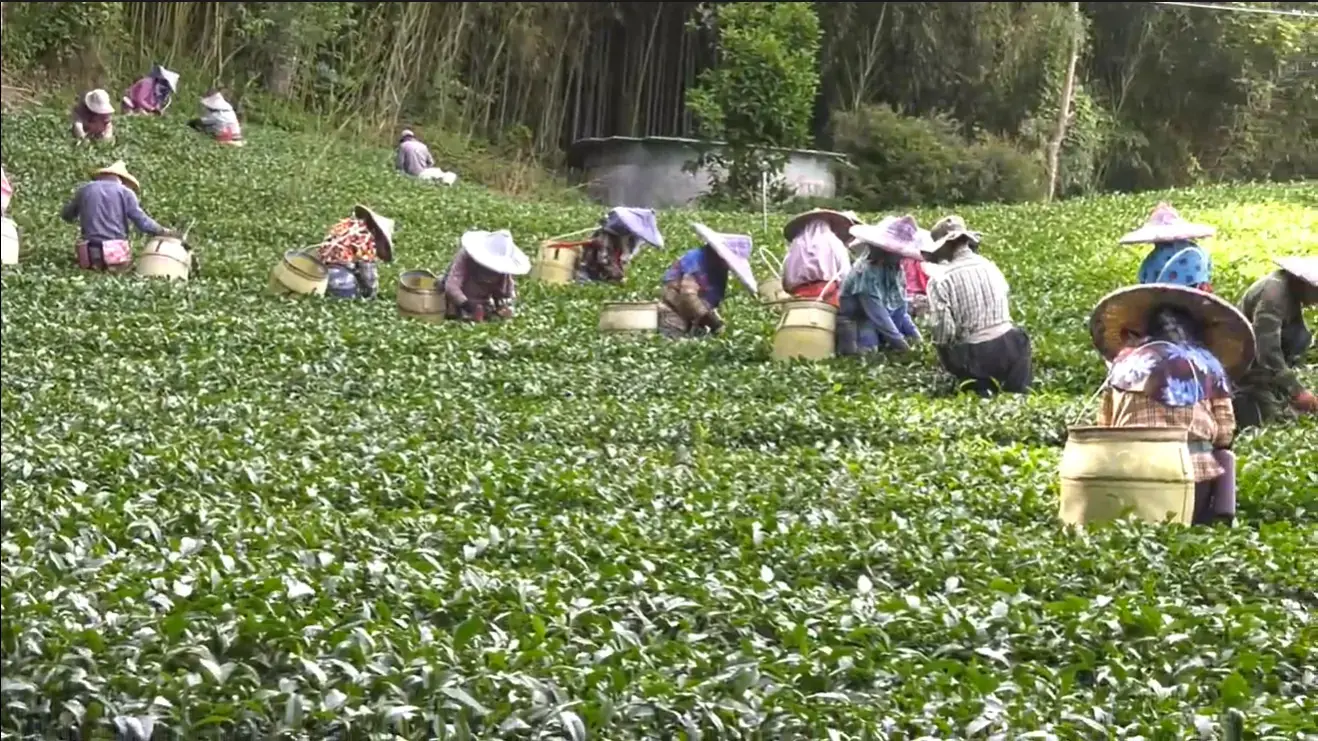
{"x": 1001, "y": 364}
{"x": 1203, "y": 505}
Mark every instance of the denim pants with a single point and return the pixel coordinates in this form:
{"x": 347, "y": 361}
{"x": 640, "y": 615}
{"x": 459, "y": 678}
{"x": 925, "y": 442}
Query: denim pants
{"x": 864, "y": 325}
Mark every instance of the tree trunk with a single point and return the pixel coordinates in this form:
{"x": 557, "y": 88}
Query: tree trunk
{"x": 1064, "y": 110}
{"x": 283, "y": 47}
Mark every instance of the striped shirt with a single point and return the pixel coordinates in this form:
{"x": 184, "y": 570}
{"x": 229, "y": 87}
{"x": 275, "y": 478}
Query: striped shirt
{"x": 968, "y": 301}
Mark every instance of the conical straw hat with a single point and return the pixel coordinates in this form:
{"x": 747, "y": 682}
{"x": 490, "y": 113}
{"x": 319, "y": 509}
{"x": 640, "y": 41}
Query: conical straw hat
{"x": 120, "y": 170}
{"x": 735, "y": 249}
{"x": 383, "y": 228}
{"x": 838, "y": 221}
{"x": 900, "y": 235}
{"x": 1165, "y": 225}
{"x": 496, "y": 251}
{"x": 1125, "y": 312}
{"x": 1304, "y": 268}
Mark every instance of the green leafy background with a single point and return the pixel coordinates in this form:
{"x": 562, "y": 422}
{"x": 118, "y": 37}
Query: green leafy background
{"x": 228, "y": 514}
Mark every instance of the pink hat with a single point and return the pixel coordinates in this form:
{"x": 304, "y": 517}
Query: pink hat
{"x": 899, "y": 235}
{"x": 1165, "y": 225}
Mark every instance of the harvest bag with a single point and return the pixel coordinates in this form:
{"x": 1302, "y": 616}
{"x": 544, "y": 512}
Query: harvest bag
{"x": 100, "y": 255}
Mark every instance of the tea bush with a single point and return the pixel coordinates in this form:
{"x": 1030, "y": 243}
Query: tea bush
{"x": 228, "y": 515}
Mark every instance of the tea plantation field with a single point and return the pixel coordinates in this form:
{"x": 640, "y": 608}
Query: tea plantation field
{"x": 227, "y": 515}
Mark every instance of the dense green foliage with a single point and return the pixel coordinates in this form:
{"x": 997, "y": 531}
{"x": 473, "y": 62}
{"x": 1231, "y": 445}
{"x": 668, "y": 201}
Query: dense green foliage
{"x": 230, "y": 513}
{"x": 760, "y": 97}
{"x": 900, "y": 159}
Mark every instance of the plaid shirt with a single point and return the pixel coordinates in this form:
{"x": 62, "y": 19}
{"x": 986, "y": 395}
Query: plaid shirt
{"x": 968, "y": 301}
{"x": 348, "y": 241}
{"x": 1212, "y": 424}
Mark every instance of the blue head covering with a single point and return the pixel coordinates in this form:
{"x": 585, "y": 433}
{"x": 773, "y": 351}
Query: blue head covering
{"x": 1181, "y": 263}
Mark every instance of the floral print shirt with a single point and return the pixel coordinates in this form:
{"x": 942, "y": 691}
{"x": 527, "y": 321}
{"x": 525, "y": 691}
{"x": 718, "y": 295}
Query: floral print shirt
{"x": 348, "y": 242}
{"x": 1176, "y": 375}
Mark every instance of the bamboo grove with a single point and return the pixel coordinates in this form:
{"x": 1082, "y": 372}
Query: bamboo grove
{"x": 1168, "y": 94}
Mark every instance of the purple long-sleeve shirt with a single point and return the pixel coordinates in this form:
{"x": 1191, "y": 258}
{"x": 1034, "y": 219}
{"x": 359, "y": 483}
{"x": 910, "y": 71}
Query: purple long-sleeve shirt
{"x": 413, "y": 157}
{"x": 103, "y": 208}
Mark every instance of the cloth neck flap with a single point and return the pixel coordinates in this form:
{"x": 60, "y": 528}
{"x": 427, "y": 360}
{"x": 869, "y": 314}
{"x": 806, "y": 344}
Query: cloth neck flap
{"x": 815, "y": 254}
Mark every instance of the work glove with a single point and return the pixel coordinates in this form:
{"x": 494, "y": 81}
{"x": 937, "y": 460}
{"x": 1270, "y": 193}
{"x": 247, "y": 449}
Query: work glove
{"x": 1306, "y": 402}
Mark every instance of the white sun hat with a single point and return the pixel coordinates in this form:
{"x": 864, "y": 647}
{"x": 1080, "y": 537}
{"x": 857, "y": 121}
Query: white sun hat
{"x": 168, "y": 75}
{"x": 216, "y": 102}
{"x": 1304, "y": 268}
{"x": 98, "y": 102}
{"x": 496, "y": 251}
{"x": 383, "y": 227}
{"x": 734, "y": 249}
{"x": 898, "y": 235}
{"x": 1165, "y": 225}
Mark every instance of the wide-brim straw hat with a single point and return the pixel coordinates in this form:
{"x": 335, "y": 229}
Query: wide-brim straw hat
{"x": 1165, "y": 225}
{"x": 1304, "y": 268}
{"x": 1125, "y": 312}
{"x": 734, "y": 249}
{"x": 120, "y": 170}
{"x": 897, "y": 235}
{"x": 216, "y": 102}
{"x": 496, "y": 251}
{"x": 383, "y": 228}
{"x": 639, "y": 222}
{"x": 840, "y": 222}
{"x": 98, "y": 102}
{"x": 169, "y": 76}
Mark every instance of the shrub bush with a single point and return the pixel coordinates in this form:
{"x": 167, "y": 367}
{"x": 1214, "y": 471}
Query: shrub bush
{"x": 900, "y": 160}
{"x": 761, "y": 94}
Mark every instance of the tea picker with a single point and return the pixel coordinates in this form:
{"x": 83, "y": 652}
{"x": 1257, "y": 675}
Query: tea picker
{"x": 9, "y": 246}
{"x": 1176, "y": 257}
{"x": 606, "y": 255}
{"x": 817, "y": 255}
{"x": 695, "y": 285}
{"x": 873, "y": 312}
{"x": 1165, "y": 425}
{"x": 351, "y": 250}
{"x": 1275, "y": 304}
{"x": 103, "y": 209}
{"x": 218, "y": 120}
{"x": 480, "y": 284}
{"x": 970, "y": 323}
{"x": 415, "y": 159}
{"x": 151, "y": 94}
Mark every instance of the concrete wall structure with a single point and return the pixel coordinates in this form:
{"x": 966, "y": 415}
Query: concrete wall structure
{"x": 649, "y": 172}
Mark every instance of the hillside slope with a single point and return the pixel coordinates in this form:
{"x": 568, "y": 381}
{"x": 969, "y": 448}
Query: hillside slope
{"x": 239, "y": 515}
